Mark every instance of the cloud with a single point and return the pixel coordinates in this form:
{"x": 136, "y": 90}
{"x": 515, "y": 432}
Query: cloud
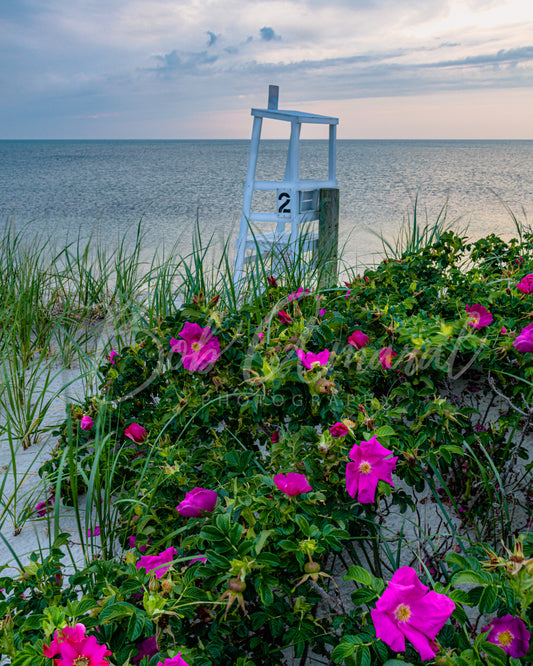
{"x": 268, "y": 35}
{"x": 212, "y": 38}
{"x": 184, "y": 61}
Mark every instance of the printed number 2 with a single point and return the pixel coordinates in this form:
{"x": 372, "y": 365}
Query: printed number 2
{"x": 284, "y": 198}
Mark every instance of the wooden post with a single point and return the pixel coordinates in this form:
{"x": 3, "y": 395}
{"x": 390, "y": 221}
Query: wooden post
{"x": 328, "y": 235}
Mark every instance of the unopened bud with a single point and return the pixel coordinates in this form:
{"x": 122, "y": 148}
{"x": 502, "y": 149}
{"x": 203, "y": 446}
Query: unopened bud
{"x": 153, "y": 585}
{"x": 166, "y": 585}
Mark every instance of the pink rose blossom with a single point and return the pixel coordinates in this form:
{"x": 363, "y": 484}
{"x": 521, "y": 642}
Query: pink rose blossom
{"x": 503, "y": 330}
{"x": 322, "y": 312}
{"x": 338, "y": 430}
{"x": 86, "y": 423}
{"x": 510, "y": 634}
{"x": 526, "y": 284}
{"x": 147, "y": 648}
{"x": 111, "y": 356}
{"x": 93, "y": 533}
{"x": 272, "y": 281}
{"x": 358, "y": 339}
{"x": 136, "y": 433}
{"x": 371, "y": 463}
{"x": 71, "y": 647}
{"x": 407, "y": 609}
{"x": 284, "y": 317}
{"x": 385, "y": 357}
{"x": 197, "y": 502}
{"x": 199, "y": 348}
{"x": 347, "y": 294}
{"x": 479, "y": 315}
{"x": 292, "y": 484}
{"x": 275, "y": 437}
{"x": 160, "y": 564}
{"x": 174, "y": 661}
{"x": 310, "y": 360}
{"x": 524, "y": 342}
{"x": 41, "y": 508}
{"x": 296, "y": 295}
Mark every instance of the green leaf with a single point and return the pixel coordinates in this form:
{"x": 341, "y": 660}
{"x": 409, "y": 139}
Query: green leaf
{"x": 488, "y": 599}
{"x": 384, "y": 431}
{"x": 341, "y": 651}
{"x": 470, "y": 577}
{"x": 135, "y": 626}
{"x": 303, "y": 525}
{"x": 363, "y": 656}
{"x": 262, "y": 539}
{"x": 359, "y": 575}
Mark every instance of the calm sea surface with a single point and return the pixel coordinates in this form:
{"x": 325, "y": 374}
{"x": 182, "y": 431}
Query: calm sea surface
{"x": 78, "y": 188}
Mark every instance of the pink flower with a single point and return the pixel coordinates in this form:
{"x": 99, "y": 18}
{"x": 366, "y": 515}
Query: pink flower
{"x": 86, "y": 423}
{"x": 197, "y": 502}
{"x": 272, "y": 281}
{"x": 275, "y": 437}
{"x": 358, "y": 339}
{"x": 385, "y": 357}
{"x": 479, "y": 315}
{"x": 296, "y": 295}
{"x": 408, "y": 610}
{"x": 147, "y": 648}
{"x": 310, "y": 360}
{"x": 510, "y": 634}
{"x": 160, "y": 564}
{"x": 136, "y": 433}
{"x": 41, "y": 508}
{"x": 292, "y": 484}
{"x": 199, "y": 348}
{"x": 284, "y": 317}
{"x": 261, "y": 336}
{"x": 526, "y": 284}
{"x": 371, "y": 463}
{"x": 347, "y": 294}
{"x": 524, "y": 342}
{"x": 93, "y": 533}
{"x": 503, "y": 330}
{"x": 338, "y": 430}
{"x": 322, "y": 312}
{"x": 112, "y": 355}
{"x": 74, "y": 648}
{"x": 175, "y": 661}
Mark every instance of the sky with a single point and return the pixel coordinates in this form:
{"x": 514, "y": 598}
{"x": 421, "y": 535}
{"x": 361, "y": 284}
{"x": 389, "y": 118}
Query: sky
{"x": 192, "y": 69}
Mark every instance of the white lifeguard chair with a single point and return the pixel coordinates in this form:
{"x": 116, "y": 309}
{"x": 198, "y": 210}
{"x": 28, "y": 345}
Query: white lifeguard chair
{"x": 297, "y": 201}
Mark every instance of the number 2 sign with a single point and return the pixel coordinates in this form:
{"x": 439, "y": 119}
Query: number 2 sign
{"x": 284, "y": 199}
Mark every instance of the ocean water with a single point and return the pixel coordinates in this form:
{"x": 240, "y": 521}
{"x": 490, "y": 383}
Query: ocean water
{"x": 72, "y": 189}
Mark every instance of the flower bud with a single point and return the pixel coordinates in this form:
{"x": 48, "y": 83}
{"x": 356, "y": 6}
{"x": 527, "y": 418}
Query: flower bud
{"x": 153, "y": 585}
{"x": 166, "y": 585}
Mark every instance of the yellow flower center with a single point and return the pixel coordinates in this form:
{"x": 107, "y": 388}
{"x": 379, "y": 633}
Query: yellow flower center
{"x": 315, "y": 364}
{"x": 365, "y": 467}
{"x": 82, "y": 661}
{"x": 402, "y": 613}
{"x": 505, "y": 638}
{"x": 196, "y": 346}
